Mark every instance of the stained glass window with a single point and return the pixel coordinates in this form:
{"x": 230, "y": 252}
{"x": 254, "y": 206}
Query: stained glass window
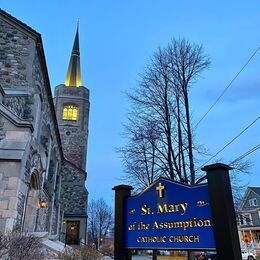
{"x": 70, "y": 112}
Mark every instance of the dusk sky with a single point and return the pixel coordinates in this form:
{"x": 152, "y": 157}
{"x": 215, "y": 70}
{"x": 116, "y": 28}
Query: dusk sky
{"x": 117, "y": 37}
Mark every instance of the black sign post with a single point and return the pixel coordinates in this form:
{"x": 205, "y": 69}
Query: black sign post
{"x": 223, "y": 213}
{"x": 122, "y": 192}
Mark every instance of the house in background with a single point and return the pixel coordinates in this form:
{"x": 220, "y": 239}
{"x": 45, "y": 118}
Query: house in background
{"x": 249, "y": 219}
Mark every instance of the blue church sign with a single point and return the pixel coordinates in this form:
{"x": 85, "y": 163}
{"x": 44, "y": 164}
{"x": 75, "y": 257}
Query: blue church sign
{"x": 169, "y": 215}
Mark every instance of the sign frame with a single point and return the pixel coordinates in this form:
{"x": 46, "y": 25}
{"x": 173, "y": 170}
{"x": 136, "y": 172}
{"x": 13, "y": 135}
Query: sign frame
{"x": 222, "y": 210}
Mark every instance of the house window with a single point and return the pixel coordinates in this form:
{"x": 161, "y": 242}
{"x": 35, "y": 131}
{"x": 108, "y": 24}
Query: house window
{"x": 258, "y": 237}
{"x": 245, "y": 220}
{"x": 70, "y": 112}
{"x": 253, "y": 202}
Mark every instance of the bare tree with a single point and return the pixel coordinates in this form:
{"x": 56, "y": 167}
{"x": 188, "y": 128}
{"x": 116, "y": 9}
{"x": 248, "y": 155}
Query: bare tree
{"x": 159, "y": 130}
{"x": 100, "y": 220}
{"x": 140, "y": 157}
{"x": 81, "y": 253}
{"x": 238, "y": 186}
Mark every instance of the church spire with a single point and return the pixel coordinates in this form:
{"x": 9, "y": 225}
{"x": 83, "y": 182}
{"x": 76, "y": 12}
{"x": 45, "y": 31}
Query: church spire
{"x": 73, "y": 77}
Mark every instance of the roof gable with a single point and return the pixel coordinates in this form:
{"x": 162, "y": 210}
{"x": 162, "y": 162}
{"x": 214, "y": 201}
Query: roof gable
{"x": 256, "y": 190}
{"x": 250, "y": 191}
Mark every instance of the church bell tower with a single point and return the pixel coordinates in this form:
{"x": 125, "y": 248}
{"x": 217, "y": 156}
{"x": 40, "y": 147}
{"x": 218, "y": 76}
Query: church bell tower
{"x": 72, "y": 109}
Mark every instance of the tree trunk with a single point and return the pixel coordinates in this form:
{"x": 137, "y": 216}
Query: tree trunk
{"x": 189, "y": 136}
{"x": 181, "y": 153}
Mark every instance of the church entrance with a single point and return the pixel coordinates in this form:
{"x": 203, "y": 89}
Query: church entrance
{"x": 72, "y": 232}
{"x": 29, "y": 223}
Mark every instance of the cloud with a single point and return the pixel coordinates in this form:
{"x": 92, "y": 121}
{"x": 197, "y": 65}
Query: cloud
{"x": 245, "y": 90}
{"x": 240, "y": 90}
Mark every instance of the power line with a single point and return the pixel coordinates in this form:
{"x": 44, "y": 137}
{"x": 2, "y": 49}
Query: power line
{"x": 246, "y": 154}
{"x": 204, "y": 177}
{"x": 227, "y": 87}
{"x": 230, "y": 142}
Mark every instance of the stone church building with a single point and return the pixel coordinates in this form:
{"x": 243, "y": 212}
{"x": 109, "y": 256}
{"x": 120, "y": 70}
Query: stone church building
{"x": 43, "y": 140}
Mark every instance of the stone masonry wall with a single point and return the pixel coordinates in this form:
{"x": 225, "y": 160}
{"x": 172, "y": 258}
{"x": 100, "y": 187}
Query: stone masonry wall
{"x": 21, "y": 72}
{"x": 73, "y": 143}
{"x": 74, "y": 196}
{"x": 9, "y": 182}
{"x": 15, "y": 56}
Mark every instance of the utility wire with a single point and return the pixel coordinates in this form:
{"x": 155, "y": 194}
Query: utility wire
{"x": 246, "y": 154}
{"x": 230, "y": 142}
{"x": 227, "y": 87}
{"x": 204, "y": 177}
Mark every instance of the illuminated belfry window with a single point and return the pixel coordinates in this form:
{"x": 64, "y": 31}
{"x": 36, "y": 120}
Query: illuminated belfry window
{"x": 70, "y": 112}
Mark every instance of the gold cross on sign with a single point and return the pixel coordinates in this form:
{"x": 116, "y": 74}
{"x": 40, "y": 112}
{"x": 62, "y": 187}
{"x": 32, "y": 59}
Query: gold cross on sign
{"x": 160, "y": 189}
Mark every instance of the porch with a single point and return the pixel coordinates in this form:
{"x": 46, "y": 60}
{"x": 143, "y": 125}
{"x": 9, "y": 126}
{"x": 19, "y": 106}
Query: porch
{"x": 254, "y": 235}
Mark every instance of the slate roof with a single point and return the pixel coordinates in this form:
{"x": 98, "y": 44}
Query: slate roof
{"x": 256, "y": 190}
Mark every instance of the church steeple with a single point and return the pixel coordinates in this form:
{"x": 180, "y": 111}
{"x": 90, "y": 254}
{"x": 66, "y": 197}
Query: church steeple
{"x": 73, "y": 77}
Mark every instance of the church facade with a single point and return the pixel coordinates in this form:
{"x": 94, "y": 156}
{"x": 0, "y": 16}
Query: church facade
{"x": 43, "y": 140}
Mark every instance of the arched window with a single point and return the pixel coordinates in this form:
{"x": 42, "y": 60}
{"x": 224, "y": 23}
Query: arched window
{"x": 70, "y": 112}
